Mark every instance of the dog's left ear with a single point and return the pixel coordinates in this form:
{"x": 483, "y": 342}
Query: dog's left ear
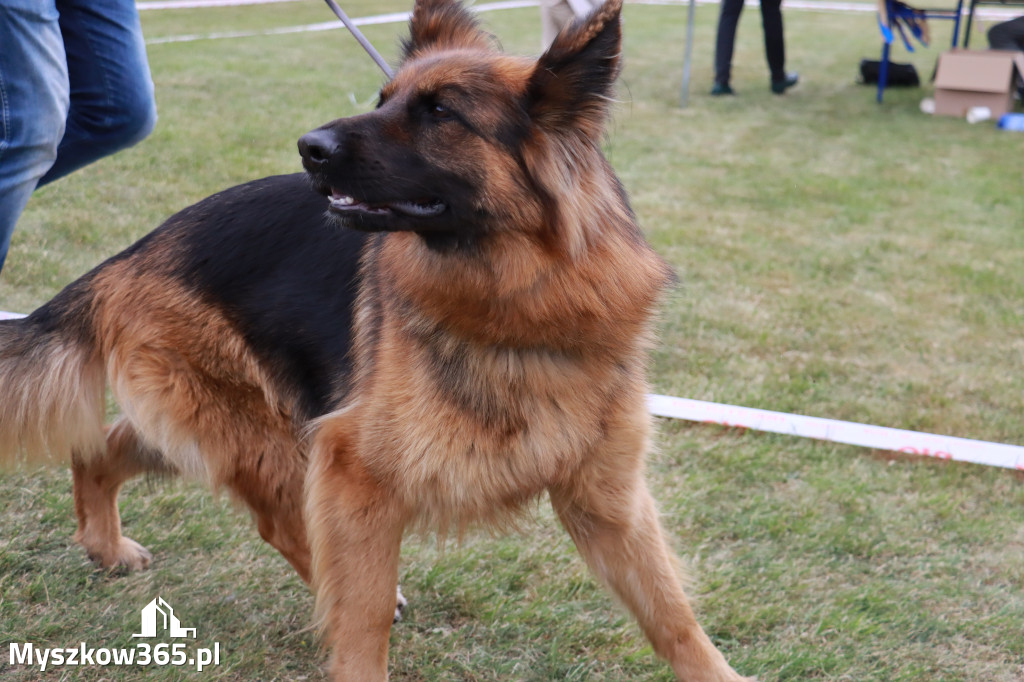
{"x": 443, "y": 24}
{"x": 572, "y": 83}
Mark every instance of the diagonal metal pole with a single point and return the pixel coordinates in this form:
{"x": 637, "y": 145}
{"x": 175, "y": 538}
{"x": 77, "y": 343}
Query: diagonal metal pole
{"x": 684, "y": 98}
{"x": 354, "y": 30}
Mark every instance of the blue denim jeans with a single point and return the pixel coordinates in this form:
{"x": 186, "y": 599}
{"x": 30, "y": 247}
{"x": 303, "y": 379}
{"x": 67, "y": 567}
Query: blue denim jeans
{"x": 74, "y": 87}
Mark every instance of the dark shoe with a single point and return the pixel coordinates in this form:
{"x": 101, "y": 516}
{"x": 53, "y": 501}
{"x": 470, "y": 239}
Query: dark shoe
{"x": 791, "y": 79}
{"x": 721, "y": 89}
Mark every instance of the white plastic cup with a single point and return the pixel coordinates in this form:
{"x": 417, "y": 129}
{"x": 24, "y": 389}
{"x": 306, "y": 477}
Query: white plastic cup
{"x": 978, "y": 114}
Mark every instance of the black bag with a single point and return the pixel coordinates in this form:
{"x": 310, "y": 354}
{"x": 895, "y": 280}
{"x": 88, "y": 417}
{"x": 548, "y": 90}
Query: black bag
{"x": 899, "y": 74}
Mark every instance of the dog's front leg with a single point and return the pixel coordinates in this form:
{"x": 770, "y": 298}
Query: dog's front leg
{"x": 611, "y": 517}
{"x": 355, "y": 530}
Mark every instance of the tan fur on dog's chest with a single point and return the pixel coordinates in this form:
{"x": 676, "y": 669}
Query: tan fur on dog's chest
{"x": 473, "y": 397}
{"x": 470, "y": 432}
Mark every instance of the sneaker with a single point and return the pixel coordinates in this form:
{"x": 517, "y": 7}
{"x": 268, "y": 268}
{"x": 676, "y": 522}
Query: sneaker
{"x": 721, "y": 89}
{"x": 791, "y": 79}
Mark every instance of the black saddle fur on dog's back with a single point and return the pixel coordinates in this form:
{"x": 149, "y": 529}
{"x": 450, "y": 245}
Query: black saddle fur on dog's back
{"x": 267, "y": 255}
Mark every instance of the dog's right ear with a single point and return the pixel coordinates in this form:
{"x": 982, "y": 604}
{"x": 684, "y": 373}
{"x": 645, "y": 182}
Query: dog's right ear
{"x": 443, "y": 24}
{"x": 572, "y": 83}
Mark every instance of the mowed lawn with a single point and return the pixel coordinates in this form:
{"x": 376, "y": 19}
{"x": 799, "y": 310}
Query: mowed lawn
{"x": 837, "y": 258}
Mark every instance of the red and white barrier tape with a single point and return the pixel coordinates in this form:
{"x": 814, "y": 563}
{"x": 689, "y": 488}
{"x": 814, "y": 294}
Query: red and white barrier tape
{"x": 392, "y": 18}
{"x": 402, "y": 17}
{"x": 851, "y": 433}
{"x": 813, "y": 5}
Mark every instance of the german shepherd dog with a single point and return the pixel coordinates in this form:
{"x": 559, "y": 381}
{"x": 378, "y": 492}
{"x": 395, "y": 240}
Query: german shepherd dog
{"x": 444, "y": 318}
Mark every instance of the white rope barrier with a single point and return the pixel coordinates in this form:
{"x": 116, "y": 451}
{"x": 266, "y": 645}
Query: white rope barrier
{"x": 403, "y": 17}
{"x": 810, "y": 5}
{"x": 850, "y": 433}
{"x": 378, "y": 19}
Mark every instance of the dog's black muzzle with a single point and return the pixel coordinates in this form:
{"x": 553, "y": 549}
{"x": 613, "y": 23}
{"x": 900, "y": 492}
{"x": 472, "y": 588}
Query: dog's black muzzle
{"x": 374, "y": 183}
{"x": 317, "y": 148}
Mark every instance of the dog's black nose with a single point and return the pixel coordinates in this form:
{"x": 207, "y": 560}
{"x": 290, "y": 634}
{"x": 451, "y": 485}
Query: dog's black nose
{"x": 318, "y": 146}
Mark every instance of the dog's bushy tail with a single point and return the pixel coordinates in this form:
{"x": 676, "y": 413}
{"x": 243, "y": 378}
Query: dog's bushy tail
{"x": 52, "y": 383}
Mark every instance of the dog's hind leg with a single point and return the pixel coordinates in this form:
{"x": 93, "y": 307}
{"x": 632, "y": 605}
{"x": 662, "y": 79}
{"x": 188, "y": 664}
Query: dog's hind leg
{"x": 611, "y": 517}
{"x": 281, "y": 525}
{"x": 97, "y": 481}
{"x": 278, "y": 510}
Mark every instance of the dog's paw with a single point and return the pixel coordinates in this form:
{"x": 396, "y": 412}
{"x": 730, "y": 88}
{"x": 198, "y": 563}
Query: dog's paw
{"x": 400, "y": 604}
{"x": 126, "y": 553}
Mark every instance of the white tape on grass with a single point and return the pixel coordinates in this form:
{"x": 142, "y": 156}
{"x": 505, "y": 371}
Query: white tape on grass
{"x": 197, "y": 4}
{"x": 403, "y": 17}
{"x": 392, "y": 18}
{"x": 851, "y": 433}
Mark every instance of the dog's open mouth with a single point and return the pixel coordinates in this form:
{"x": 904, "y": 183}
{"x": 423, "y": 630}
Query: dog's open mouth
{"x": 424, "y": 208}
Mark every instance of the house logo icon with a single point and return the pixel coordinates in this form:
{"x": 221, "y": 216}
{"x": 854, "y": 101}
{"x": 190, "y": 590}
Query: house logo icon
{"x": 158, "y": 615}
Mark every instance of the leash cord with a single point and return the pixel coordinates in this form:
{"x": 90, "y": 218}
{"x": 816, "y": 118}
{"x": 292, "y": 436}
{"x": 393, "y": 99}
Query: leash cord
{"x": 358, "y": 35}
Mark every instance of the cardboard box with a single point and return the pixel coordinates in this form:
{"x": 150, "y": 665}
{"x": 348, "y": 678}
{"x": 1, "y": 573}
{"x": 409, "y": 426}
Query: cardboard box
{"x": 977, "y": 78}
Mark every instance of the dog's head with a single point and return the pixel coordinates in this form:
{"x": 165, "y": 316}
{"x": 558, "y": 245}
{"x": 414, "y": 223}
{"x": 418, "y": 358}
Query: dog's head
{"x": 466, "y": 140}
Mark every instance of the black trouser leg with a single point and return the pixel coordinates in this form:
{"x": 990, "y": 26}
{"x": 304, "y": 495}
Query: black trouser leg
{"x": 728, "y": 20}
{"x": 774, "y": 44}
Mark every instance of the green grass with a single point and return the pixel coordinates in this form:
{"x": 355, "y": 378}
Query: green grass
{"x": 837, "y": 257}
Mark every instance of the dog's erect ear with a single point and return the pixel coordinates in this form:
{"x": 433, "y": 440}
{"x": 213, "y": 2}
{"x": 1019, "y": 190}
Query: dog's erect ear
{"x": 572, "y": 82}
{"x": 443, "y": 24}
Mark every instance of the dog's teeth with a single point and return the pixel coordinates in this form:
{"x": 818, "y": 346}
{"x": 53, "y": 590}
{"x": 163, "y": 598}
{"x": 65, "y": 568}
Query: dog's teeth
{"x": 340, "y": 202}
{"x": 420, "y": 210}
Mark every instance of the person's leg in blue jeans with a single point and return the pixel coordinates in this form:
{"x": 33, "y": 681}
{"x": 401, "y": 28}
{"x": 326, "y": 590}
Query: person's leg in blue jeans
{"x": 112, "y": 105}
{"x": 104, "y": 75}
{"x": 33, "y": 104}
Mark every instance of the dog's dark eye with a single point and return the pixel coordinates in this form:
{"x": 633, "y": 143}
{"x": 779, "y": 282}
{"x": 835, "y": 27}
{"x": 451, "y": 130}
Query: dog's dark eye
{"x": 440, "y": 112}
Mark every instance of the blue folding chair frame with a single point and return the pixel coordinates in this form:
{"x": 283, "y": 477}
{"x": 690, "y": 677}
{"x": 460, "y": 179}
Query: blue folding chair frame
{"x": 891, "y": 26}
